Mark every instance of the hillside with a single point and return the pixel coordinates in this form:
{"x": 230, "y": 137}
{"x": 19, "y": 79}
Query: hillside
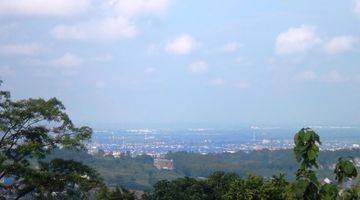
{"x": 139, "y": 173}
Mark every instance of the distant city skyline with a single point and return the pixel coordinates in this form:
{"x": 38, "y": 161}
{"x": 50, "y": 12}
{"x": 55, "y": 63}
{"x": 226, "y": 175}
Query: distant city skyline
{"x": 157, "y": 142}
{"x": 193, "y": 64}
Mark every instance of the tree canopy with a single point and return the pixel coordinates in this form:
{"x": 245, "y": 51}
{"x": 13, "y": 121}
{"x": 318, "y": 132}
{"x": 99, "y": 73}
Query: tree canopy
{"x": 29, "y": 130}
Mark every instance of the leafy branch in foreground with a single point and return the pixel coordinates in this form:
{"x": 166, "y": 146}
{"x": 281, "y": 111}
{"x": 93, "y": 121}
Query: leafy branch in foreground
{"x": 29, "y": 130}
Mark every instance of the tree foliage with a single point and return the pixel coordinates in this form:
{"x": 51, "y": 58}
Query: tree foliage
{"x": 29, "y": 130}
{"x": 345, "y": 168}
{"x": 119, "y": 193}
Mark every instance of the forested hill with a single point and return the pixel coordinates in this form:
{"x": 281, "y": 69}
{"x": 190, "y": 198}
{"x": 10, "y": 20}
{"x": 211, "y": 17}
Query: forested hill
{"x": 263, "y": 163}
{"x": 140, "y": 174}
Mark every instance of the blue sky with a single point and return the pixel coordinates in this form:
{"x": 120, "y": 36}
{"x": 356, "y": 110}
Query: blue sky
{"x": 210, "y": 63}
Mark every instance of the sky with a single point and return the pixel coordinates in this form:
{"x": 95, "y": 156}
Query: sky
{"x": 184, "y": 62}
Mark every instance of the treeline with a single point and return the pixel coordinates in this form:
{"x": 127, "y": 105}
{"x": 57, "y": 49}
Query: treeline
{"x": 263, "y": 163}
{"x": 138, "y": 173}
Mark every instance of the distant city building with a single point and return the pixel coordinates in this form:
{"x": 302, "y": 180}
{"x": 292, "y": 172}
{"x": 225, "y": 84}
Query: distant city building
{"x": 159, "y": 142}
{"x": 117, "y": 154}
{"x": 162, "y": 163}
{"x": 108, "y": 154}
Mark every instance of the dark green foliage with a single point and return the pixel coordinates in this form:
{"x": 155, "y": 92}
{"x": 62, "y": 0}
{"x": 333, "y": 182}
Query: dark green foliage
{"x": 345, "y": 168}
{"x": 102, "y": 193}
{"x": 220, "y": 182}
{"x": 220, "y": 186}
{"x": 351, "y": 194}
{"x": 139, "y": 173}
{"x": 134, "y": 173}
{"x": 329, "y": 192}
{"x": 246, "y": 189}
{"x": 121, "y": 194}
{"x": 182, "y": 188}
{"x": 263, "y": 163}
{"x": 306, "y": 151}
{"x": 118, "y": 193}
{"x": 29, "y": 130}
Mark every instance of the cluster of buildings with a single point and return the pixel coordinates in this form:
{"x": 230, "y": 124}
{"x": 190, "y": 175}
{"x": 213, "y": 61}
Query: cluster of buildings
{"x": 164, "y": 164}
{"x": 159, "y": 162}
{"x": 156, "y": 143}
{"x": 156, "y": 149}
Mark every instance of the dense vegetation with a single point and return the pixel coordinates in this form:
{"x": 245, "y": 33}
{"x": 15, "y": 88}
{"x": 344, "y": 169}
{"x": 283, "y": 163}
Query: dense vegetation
{"x": 29, "y": 130}
{"x": 134, "y": 173}
{"x": 263, "y": 163}
{"x": 139, "y": 173}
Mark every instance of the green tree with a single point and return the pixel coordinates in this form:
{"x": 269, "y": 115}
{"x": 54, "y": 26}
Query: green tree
{"x": 306, "y": 152}
{"x": 345, "y": 169}
{"x": 182, "y": 189}
{"x": 329, "y": 192}
{"x": 275, "y": 188}
{"x": 249, "y": 189}
{"x": 121, "y": 194}
{"x": 220, "y": 183}
{"x": 29, "y": 130}
{"x": 102, "y": 193}
{"x": 118, "y": 193}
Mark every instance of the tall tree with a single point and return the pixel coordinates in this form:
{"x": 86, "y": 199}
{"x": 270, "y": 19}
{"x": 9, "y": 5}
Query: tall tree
{"x": 306, "y": 152}
{"x": 29, "y": 130}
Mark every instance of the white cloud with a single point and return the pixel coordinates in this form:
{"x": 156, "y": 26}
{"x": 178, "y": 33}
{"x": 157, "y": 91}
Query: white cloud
{"x": 182, "y": 45}
{"x": 132, "y": 8}
{"x": 68, "y": 64}
{"x": 332, "y": 77}
{"x": 198, "y": 67}
{"x": 118, "y": 23}
{"x": 111, "y": 28}
{"x": 340, "y": 44}
{"x": 308, "y": 75}
{"x": 296, "y": 40}
{"x": 68, "y": 61}
{"x": 20, "y": 49}
{"x": 43, "y": 7}
{"x": 230, "y": 47}
{"x": 357, "y": 7}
